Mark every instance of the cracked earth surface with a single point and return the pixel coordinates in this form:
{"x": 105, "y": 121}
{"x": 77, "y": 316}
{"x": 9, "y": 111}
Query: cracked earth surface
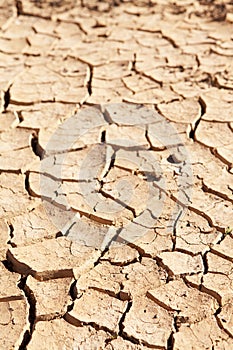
{"x": 171, "y": 288}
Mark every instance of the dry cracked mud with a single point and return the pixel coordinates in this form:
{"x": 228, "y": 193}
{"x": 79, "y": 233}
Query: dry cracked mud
{"x": 169, "y": 286}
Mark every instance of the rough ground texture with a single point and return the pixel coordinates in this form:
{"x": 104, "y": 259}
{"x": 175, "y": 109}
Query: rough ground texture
{"x": 169, "y": 289}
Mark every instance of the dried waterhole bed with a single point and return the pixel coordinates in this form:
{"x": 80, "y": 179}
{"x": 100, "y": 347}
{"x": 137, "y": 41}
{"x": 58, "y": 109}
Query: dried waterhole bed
{"x": 169, "y": 291}
{"x": 115, "y": 165}
{"x": 102, "y": 169}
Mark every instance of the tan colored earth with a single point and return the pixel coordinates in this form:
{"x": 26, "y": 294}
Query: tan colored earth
{"x": 160, "y": 286}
